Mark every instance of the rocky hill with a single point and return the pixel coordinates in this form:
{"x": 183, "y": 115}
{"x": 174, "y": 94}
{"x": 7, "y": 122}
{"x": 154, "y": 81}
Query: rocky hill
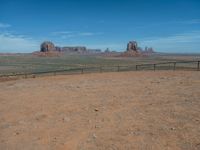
{"x": 47, "y": 48}
{"x": 134, "y": 50}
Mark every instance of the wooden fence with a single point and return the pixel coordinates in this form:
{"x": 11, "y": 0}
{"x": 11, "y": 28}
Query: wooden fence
{"x": 184, "y": 65}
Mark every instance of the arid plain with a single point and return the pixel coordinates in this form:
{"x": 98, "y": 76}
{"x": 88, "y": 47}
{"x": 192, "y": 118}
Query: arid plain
{"x": 126, "y": 110}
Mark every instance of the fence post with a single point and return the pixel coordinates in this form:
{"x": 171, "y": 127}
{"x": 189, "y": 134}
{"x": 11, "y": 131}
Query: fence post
{"x": 81, "y": 70}
{"x": 154, "y": 67}
{"x": 136, "y": 67}
{"x": 198, "y": 65}
{"x": 34, "y": 76}
{"x": 174, "y": 65}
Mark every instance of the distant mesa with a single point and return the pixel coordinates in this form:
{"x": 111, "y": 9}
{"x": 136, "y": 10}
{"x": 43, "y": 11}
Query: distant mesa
{"x": 133, "y": 50}
{"x": 107, "y": 50}
{"x": 132, "y": 46}
{"x": 77, "y": 49}
{"x": 48, "y": 48}
{"x": 149, "y": 50}
{"x": 94, "y": 51}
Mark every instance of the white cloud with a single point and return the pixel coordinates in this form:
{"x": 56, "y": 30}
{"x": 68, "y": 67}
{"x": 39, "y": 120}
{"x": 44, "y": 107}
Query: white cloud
{"x": 193, "y": 21}
{"x": 90, "y": 33}
{"x": 170, "y": 23}
{"x": 4, "y": 25}
{"x": 72, "y": 34}
{"x": 17, "y": 43}
{"x": 185, "y": 42}
{"x": 62, "y": 32}
{"x": 86, "y": 34}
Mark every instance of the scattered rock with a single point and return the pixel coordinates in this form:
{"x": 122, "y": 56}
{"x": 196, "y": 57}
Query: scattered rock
{"x": 157, "y": 82}
{"x": 94, "y": 136}
{"x": 22, "y": 122}
{"x": 96, "y": 109}
{"x": 172, "y": 128}
{"x": 41, "y": 117}
{"x": 97, "y": 126}
{"x": 198, "y": 145}
{"x": 66, "y": 119}
{"x": 5, "y": 126}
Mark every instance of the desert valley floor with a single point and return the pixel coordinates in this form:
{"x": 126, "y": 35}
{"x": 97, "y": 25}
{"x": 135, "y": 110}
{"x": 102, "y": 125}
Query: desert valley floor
{"x": 104, "y": 111}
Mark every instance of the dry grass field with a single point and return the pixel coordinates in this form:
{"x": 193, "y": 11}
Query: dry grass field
{"x": 143, "y": 110}
{"x": 27, "y": 63}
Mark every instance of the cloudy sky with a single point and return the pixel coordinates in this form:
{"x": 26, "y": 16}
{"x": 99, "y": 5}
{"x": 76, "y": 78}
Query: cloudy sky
{"x": 165, "y": 25}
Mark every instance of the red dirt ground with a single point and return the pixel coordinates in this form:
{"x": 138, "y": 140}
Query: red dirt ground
{"x": 120, "y": 111}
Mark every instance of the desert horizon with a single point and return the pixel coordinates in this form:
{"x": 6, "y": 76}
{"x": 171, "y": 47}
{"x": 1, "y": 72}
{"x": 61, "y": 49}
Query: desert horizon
{"x": 99, "y": 75}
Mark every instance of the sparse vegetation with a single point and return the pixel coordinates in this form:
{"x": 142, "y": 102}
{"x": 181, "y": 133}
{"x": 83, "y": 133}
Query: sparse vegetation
{"x": 31, "y": 63}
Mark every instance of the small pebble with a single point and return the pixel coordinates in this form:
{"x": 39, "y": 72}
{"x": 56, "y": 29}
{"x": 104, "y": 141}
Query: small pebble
{"x": 94, "y": 136}
{"x": 66, "y": 119}
{"x": 172, "y": 128}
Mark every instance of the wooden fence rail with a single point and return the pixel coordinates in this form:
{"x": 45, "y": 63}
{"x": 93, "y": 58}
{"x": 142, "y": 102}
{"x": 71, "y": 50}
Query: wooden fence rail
{"x": 184, "y": 65}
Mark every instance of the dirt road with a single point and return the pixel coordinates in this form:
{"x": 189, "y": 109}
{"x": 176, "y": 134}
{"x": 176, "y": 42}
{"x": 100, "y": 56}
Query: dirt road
{"x": 105, "y": 111}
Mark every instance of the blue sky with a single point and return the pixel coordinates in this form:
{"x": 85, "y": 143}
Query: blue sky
{"x": 165, "y": 25}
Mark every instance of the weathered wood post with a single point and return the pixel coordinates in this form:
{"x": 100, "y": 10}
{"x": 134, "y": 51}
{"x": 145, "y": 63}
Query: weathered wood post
{"x": 118, "y": 68}
{"x": 174, "y": 65}
{"x": 198, "y": 66}
{"x": 154, "y": 67}
{"x": 81, "y": 70}
{"x": 136, "y": 67}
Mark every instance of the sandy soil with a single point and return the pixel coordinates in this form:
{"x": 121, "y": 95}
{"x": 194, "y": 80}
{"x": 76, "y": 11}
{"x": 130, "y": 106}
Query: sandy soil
{"x": 107, "y": 111}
